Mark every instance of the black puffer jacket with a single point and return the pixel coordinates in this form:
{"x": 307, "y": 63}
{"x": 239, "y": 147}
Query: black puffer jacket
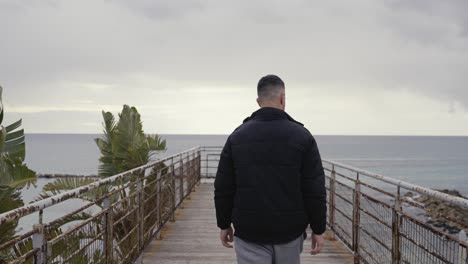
{"x": 270, "y": 182}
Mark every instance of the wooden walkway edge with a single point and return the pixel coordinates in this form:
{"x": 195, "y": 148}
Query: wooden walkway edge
{"x": 194, "y": 238}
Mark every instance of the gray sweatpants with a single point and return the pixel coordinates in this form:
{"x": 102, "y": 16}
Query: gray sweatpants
{"x": 251, "y": 253}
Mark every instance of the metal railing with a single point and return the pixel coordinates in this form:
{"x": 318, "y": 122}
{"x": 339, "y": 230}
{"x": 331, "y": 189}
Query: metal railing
{"x": 210, "y": 161}
{"x": 373, "y": 217}
{"x": 116, "y": 217}
{"x": 380, "y": 224}
{"x": 119, "y": 216}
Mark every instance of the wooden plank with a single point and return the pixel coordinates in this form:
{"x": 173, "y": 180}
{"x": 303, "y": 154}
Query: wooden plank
{"x": 194, "y": 238}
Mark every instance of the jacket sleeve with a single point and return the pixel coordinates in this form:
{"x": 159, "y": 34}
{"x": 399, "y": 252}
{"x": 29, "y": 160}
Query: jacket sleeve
{"x": 225, "y": 188}
{"x": 313, "y": 188}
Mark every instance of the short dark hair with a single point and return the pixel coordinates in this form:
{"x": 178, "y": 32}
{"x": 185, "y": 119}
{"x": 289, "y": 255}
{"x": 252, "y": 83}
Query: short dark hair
{"x": 269, "y": 85}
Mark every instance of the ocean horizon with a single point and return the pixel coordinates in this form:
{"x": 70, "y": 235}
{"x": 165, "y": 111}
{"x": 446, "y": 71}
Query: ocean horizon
{"x": 438, "y": 162}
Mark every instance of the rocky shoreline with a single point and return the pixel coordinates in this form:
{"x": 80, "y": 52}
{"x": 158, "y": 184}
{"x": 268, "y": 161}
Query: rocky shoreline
{"x": 449, "y": 218}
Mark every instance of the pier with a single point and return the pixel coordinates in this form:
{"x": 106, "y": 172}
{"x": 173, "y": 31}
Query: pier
{"x": 194, "y": 237}
{"x": 163, "y": 212}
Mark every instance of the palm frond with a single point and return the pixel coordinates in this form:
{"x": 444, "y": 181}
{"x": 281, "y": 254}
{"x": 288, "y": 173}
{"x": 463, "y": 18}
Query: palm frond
{"x": 14, "y": 126}
{"x": 105, "y": 145}
{"x": 11, "y": 199}
{"x": 3, "y": 135}
{"x": 68, "y": 219}
{"x": 65, "y": 184}
{"x": 14, "y": 173}
{"x": 106, "y": 161}
{"x": 16, "y": 149}
{"x": 13, "y": 142}
{"x": 14, "y": 135}
{"x": 156, "y": 143}
{"x": 109, "y": 123}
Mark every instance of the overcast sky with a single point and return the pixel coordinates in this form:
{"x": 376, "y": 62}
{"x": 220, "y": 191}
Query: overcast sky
{"x": 366, "y": 67}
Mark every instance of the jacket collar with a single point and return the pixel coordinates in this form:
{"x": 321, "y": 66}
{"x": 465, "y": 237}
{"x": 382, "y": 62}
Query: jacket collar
{"x": 270, "y": 113}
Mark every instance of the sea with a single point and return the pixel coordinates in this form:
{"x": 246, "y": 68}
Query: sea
{"x": 433, "y": 162}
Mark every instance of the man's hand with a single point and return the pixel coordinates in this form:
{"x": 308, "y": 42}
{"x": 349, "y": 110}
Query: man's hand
{"x": 317, "y": 244}
{"x": 227, "y": 236}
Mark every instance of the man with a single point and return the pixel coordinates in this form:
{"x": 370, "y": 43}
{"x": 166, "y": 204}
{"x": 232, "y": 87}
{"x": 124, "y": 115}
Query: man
{"x": 270, "y": 184}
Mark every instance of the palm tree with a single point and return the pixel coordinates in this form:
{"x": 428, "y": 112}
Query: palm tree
{"x": 123, "y": 146}
{"x": 14, "y": 174}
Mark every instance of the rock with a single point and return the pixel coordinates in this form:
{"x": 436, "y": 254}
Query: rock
{"x": 439, "y": 213}
{"x": 452, "y": 192}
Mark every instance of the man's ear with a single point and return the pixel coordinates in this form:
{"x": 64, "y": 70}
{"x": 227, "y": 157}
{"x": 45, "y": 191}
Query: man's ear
{"x": 283, "y": 100}
{"x": 258, "y": 102}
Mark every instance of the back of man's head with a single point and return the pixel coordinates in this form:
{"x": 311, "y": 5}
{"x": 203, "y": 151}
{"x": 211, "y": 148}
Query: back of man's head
{"x": 270, "y": 91}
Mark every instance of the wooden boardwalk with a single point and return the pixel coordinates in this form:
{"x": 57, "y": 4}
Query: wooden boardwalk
{"x": 194, "y": 238}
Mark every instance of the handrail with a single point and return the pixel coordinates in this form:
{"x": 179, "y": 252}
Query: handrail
{"x": 451, "y": 199}
{"x": 454, "y": 200}
{"x": 53, "y": 200}
{"x": 377, "y": 230}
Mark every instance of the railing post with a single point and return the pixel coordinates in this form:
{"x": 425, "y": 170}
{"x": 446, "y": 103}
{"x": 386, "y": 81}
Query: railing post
{"x": 107, "y": 227}
{"x": 181, "y": 181}
{"x": 158, "y": 202}
{"x": 206, "y": 164}
{"x": 331, "y": 202}
{"x": 194, "y": 170}
{"x": 39, "y": 242}
{"x": 140, "y": 212}
{"x": 396, "y": 220}
{"x": 173, "y": 192}
{"x": 199, "y": 165}
{"x": 463, "y": 254}
{"x": 356, "y": 219}
{"x": 190, "y": 173}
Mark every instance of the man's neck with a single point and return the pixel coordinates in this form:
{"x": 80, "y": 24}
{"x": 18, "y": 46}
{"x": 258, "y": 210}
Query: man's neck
{"x": 272, "y": 106}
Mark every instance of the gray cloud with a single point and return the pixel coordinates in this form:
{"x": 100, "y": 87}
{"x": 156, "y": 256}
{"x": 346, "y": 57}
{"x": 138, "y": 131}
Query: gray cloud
{"x": 435, "y": 34}
{"x": 451, "y": 12}
{"x": 161, "y": 10}
{"x": 69, "y": 52}
{"x": 58, "y": 121}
